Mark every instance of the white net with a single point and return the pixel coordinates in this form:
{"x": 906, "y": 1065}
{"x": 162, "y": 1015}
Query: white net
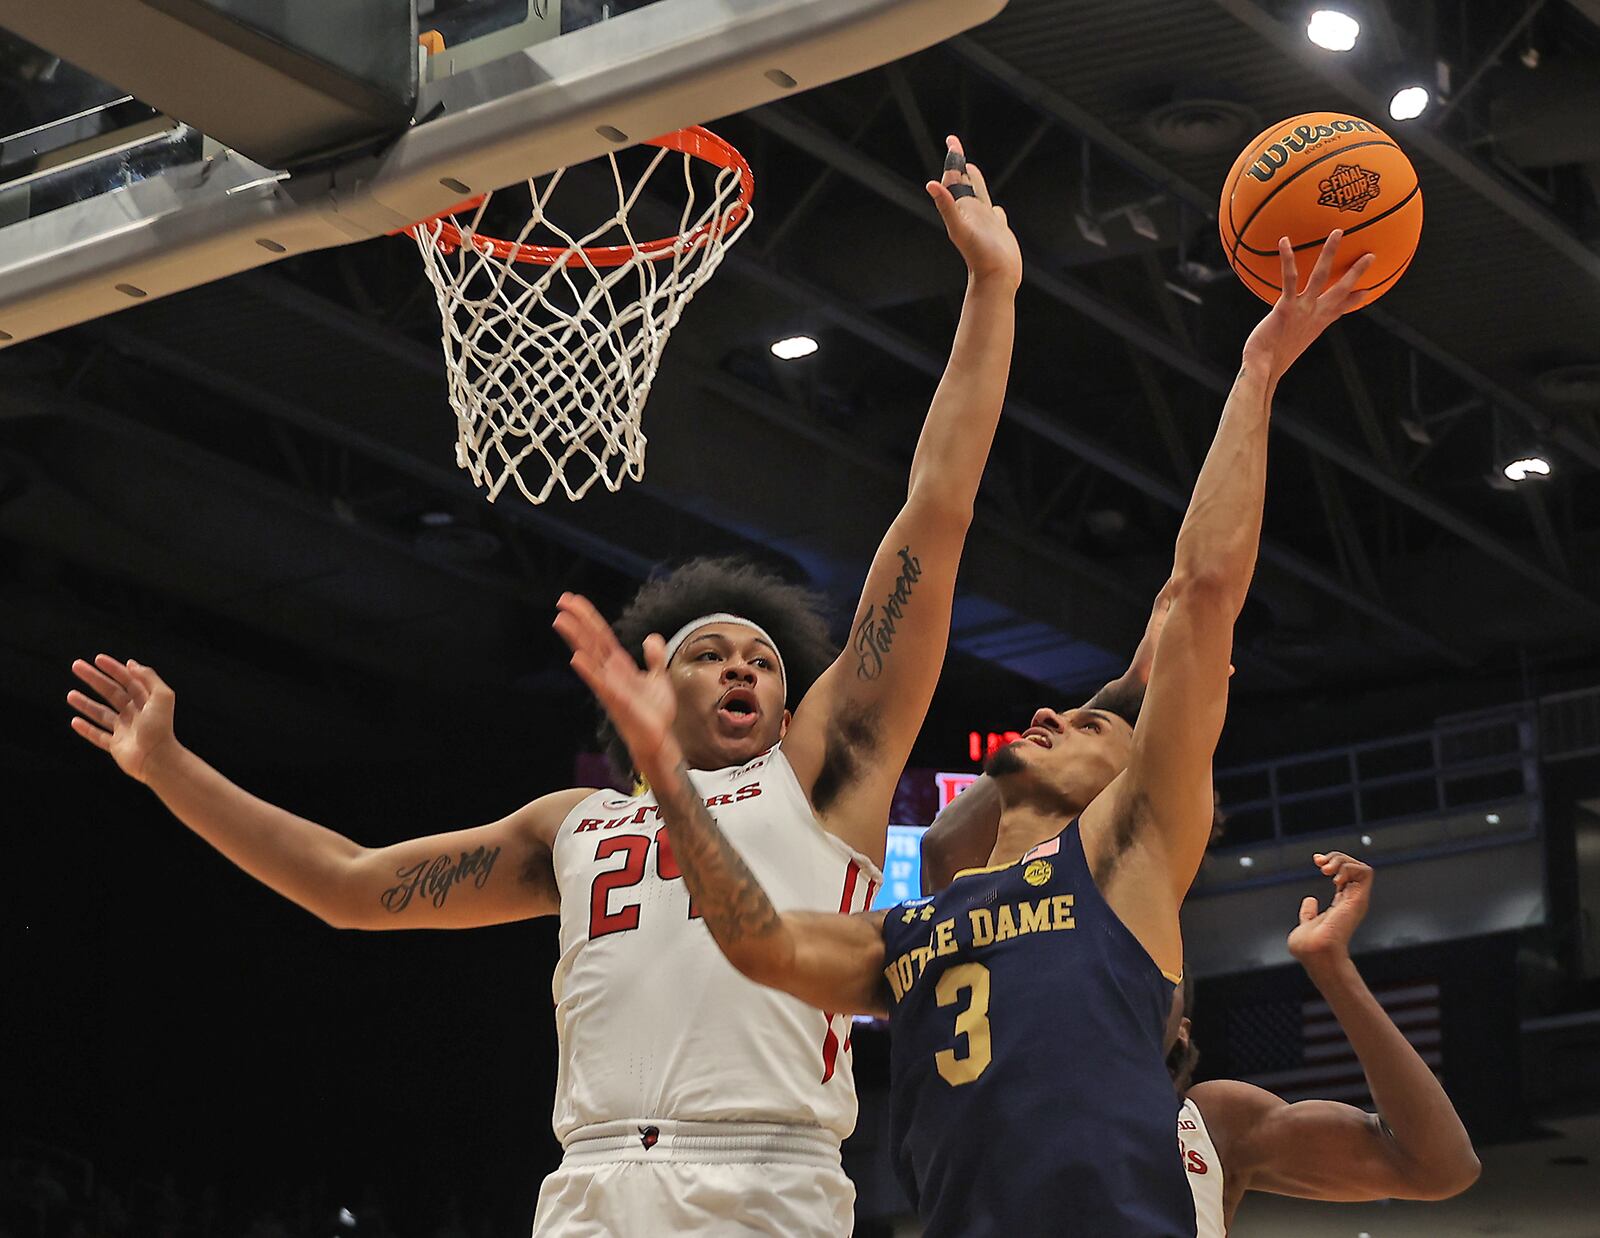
{"x": 551, "y": 349}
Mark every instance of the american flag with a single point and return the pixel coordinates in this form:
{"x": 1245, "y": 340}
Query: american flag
{"x": 1298, "y": 1050}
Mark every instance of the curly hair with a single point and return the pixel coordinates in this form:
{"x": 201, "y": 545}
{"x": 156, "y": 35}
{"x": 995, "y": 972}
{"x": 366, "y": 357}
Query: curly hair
{"x": 793, "y": 615}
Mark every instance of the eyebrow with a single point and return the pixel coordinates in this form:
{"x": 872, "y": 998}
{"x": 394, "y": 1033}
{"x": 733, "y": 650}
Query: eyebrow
{"x": 728, "y": 640}
{"x": 1098, "y": 713}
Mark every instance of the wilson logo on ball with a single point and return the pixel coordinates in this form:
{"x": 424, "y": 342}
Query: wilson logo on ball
{"x": 1350, "y": 188}
{"x": 1273, "y": 157}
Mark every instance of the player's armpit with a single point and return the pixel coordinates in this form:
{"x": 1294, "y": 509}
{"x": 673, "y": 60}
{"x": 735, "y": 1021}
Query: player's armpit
{"x": 490, "y": 874}
{"x": 835, "y": 963}
{"x": 1313, "y": 1149}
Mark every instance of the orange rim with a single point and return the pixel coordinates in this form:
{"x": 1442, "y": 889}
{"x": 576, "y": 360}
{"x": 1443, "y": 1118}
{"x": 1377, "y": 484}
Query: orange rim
{"x": 695, "y": 141}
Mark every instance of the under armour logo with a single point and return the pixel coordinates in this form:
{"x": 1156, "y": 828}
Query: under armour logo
{"x": 648, "y": 1136}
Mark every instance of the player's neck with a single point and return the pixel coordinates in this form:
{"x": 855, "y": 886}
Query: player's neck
{"x": 1022, "y": 828}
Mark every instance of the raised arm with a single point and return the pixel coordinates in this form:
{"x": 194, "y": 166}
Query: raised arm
{"x": 963, "y": 835}
{"x": 486, "y": 875}
{"x": 1414, "y": 1147}
{"x": 1162, "y": 803}
{"x": 831, "y": 961}
{"x": 854, "y": 730}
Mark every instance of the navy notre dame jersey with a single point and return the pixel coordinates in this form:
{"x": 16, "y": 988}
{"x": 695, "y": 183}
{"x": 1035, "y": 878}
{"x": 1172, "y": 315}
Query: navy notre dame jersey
{"x": 1029, "y": 1090}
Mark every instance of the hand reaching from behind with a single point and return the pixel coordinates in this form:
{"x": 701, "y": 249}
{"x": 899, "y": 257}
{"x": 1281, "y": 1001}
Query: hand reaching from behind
{"x": 977, "y": 227}
{"x": 1326, "y": 934}
{"x": 1302, "y": 314}
{"x": 132, "y": 719}
{"x": 640, "y": 703}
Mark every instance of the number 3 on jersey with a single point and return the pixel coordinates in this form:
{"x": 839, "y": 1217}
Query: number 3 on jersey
{"x": 972, "y": 1022}
{"x": 602, "y": 920}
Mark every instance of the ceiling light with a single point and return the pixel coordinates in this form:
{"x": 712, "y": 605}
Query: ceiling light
{"x": 794, "y": 347}
{"x": 1246, "y": 862}
{"x": 1527, "y": 467}
{"x": 1491, "y": 818}
{"x": 1331, "y": 29}
{"x": 1409, "y": 102}
{"x": 1366, "y": 840}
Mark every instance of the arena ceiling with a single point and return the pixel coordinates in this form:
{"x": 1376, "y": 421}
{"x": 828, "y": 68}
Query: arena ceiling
{"x": 254, "y": 482}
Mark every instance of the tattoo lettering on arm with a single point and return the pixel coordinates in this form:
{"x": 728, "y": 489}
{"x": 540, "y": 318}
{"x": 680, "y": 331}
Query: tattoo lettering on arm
{"x": 726, "y": 893}
{"x": 434, "y": 879}
{"x": 875, "y": 633}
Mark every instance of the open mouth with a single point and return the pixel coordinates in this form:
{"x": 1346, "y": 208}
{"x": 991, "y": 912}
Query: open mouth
{"x": 1038, "y": 735}
{"x": 738, "y": 708}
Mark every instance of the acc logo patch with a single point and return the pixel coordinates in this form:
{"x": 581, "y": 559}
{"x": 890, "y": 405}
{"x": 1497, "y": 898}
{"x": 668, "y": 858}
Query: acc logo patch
{"x": 1037, "y": 873}
{"x": 1350, "y": 188}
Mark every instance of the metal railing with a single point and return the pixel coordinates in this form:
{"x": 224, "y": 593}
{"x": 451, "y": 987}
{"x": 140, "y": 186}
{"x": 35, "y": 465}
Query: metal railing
{"x": 1471, "y": 780}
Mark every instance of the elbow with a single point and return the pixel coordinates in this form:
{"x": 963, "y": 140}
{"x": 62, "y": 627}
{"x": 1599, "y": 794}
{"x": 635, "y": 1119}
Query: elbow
{"x": 1210, "y": 588}
{"x": 940, "y": 511}
{"x": 1444, "y": 1180}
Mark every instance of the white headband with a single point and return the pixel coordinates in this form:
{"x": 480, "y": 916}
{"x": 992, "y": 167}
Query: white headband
{"x": 694, "y": 625}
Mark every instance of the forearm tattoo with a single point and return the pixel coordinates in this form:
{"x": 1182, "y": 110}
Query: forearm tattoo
{"x": 875, "y": 633}
{"x": 725, "y": 892}
{"x": 433, "y": 880}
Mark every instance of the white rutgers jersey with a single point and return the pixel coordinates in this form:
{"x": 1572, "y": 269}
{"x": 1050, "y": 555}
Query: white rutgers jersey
{"x": 652, "y": 1021}
{"x": 1204, "y": 1172}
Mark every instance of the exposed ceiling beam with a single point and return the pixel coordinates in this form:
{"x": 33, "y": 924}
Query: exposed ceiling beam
{"x": 1106, "y": 458}
{"x": 1081, "y": 121}
{"x": 822, "y": 145}
{"x": 1436, "y": 146}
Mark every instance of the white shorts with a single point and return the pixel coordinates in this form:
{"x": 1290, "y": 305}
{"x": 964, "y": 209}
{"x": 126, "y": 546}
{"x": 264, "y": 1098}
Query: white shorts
{"x": 720, "y": 1179}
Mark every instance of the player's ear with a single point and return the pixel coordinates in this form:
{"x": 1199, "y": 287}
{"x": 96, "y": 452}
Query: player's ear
{"x": 788, "y": 717}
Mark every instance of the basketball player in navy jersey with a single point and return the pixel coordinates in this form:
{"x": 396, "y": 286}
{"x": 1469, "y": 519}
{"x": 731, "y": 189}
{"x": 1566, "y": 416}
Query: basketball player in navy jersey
{"x": 1029, "y": 1000}
{"x": 1236, "y": 1137}
{"x": 688, "y": 1100}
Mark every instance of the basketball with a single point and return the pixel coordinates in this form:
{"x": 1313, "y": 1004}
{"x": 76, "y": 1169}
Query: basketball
{"x": 1308, "y": 175}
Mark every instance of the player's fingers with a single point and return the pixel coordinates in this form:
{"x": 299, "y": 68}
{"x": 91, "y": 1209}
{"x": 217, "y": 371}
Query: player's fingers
{"x": 134, "y": 679}
{"x": 1346, "y": 283}
{"x": 99, "y": 738}
{"x": 1323, "y": 271}
{"x": 1308, "y": 909}
{"x": 1288, "y": 275}
{"x": 1348, "y": 293}
{"x": 945, "y": 205}
{"x": 975, "y": 175}
{"x": 573, "y": 630}
{"x": 102, "y": 683}
{"x": 92, "y": 709}
{"x": 143, "y": 682}
{"x": 114, "y": 669}
{"x": 592, "y": 630}
{"x": 655, "y": 652}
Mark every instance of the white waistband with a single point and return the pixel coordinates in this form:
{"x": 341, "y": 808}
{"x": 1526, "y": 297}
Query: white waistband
{"x": 660, "y": 1139}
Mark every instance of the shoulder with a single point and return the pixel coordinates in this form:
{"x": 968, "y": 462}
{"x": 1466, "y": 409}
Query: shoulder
{"x": 1233, "y": 1112}
{"x": 541, "y": 818}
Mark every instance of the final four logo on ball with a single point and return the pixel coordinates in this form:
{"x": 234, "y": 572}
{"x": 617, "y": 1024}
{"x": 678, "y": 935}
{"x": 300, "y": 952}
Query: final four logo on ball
{"x": 1350, "y": 188}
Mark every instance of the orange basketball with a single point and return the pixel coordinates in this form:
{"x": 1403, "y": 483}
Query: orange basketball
{"x": 1308, "y": 175}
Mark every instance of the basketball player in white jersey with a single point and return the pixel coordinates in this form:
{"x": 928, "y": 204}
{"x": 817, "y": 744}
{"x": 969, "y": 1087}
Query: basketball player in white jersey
{"x": 1236, "y": 1137}
{"x": 689, "y": 1100}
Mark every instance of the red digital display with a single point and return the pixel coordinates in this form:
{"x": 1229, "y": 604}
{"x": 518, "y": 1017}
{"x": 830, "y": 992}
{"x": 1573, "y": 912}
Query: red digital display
{"x": 981, "y": 745}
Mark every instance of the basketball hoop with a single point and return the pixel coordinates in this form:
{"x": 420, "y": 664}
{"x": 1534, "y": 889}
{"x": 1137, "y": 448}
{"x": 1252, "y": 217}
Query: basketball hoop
{"x": 550, "y": 349}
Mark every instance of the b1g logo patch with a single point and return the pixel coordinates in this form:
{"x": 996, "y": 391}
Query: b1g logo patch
{"x": 1037, "y": 873}
{"x": 1349, "y": 188}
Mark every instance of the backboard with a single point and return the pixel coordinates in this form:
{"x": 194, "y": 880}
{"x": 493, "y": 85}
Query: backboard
{"x": 238, "y": 134}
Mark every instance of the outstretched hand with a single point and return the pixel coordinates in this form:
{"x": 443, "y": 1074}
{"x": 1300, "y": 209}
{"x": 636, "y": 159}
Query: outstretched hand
{"x": 1302, "y": 314}
{"x": 977, "y": 227}
{"x": 132, "y": 720}
{"x": 1326, "y": 934}
{"x": 640, "y": 703}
